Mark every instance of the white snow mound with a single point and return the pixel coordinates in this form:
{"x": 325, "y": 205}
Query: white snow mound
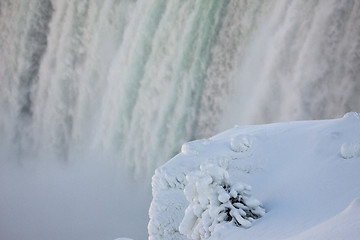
{"x": 295, "y": 172}
{"x": 350, "y": 150}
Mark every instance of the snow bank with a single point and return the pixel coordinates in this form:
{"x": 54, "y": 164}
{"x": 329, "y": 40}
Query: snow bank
{"x": 344, "y": 225}
{"x": 300, "y": 171}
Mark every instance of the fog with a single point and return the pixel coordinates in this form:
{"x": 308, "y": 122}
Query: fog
{"x": 82, "y": 200}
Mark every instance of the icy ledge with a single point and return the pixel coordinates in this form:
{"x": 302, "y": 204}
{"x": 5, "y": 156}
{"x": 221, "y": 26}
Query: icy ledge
{"x": 304, "y": 174}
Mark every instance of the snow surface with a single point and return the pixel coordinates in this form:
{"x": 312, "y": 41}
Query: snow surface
{"x": 306, "y": 175}
{"x": 344, "y": 225}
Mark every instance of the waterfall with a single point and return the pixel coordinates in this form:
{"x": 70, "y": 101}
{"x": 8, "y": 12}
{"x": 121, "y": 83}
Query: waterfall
{"x": 129, "y": 81}
{"x": 123, "y": 78}
{"x": 302, "y": 63}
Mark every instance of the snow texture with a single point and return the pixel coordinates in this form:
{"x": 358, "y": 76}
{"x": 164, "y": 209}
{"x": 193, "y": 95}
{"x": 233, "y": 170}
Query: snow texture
{"x": 299, "y": 171}
{"x": 344, "y": 225}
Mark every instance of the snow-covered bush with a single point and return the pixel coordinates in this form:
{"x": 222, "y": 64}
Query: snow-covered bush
{"x": 214, "y": 200}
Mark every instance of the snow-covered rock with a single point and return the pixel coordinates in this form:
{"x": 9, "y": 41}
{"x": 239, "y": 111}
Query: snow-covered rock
{"x": 299, "y": 171}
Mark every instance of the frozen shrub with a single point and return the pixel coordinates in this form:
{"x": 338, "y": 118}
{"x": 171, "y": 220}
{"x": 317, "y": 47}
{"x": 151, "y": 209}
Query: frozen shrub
{"x": 214, "y": 200}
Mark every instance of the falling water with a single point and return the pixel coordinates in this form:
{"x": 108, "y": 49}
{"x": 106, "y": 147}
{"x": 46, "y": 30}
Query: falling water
{"x": 302, "y": 63}
{"x": 125, "y": 83}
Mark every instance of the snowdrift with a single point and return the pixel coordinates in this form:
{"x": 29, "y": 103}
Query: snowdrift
{"x": 305, "y": 174}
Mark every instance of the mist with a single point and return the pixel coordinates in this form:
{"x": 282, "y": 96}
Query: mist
{"x": 88, "y": 199}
